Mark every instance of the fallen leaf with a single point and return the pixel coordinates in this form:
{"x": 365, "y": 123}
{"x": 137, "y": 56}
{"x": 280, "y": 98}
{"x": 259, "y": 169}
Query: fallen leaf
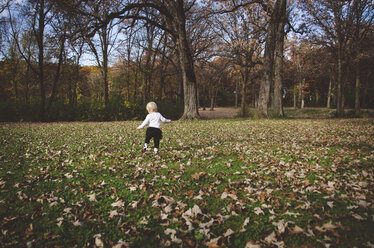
{"x": 113, "y": 213}
{"x": 271, "y": 238}
{"x": 118, "y": 203}
{"x": 258, "y": 211}
{"x": 92, "y": 197}
{"x": 228, "y": 233}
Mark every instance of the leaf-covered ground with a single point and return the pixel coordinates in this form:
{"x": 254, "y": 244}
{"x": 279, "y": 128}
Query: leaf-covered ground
{"x": 231, "y": 183}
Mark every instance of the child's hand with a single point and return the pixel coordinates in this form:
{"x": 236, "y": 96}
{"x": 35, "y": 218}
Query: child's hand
{"x": 138, "y": 128}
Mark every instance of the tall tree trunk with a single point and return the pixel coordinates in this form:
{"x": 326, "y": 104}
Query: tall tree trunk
{"x": 357, "y": 89}
{"x": 163, "y": 67}
{"x": 366, "y": 90}
{"x": 76, "y": 79}
{"x": 75, "y": 85}
{"x": 242, "y": 102}
{"x": 264, "y": 93}
{"x": 14, "y": 72}
{"x": 301, "y": 94}
{"x": 329, "y": 93}
{"x": 278, "y": 66}
{"x": 266, "y": 82}
{"x": 180, "y": 90}
{"x": 236, "y": 91}
{"x": 242, "y": 92}
{"x": 254, "y": 100}
{"x": 105, "y": 65}
{"x": 212, "y": 99}
{"x": 40, "y": 41}
{"x": 58, "y": 74}
{"x": 188, "y": 73}
{"x": 129, "y": 46}
{"x": 162, "y": 82}
{"x": 339, "y": 87}
{"x": 27, "y": 75}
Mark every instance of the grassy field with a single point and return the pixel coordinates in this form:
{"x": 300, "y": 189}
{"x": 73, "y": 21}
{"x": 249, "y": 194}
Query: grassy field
{"x": 216, "y": 183}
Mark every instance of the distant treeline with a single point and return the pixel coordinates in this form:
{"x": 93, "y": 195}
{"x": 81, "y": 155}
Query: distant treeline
{"x": 118, "y": 109}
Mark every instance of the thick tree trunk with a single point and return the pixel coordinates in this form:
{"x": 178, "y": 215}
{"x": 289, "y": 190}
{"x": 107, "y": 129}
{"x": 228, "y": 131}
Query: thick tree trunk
{"x": 187, "y": 66}
{"x": 278, "y": 69}
{"x": 264, "y": 93}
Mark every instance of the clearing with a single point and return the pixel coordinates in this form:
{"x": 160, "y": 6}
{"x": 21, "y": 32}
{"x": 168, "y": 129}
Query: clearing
{"x": 216, "y": 183}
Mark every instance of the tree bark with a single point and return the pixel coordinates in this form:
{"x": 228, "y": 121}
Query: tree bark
{"x": 40, "y": 41}
{"x": 187, "y": 66}
{"x": 242, "y": 92}
{"x": 264, "y": 93}
{"x": 212, "y": 100}
{"x": 105, "y": 64}
{"x": 278, "y": 66}
{"x": 301, "y": 94}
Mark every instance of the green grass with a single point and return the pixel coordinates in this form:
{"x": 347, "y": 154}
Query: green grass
{"x": 215, "y": 183}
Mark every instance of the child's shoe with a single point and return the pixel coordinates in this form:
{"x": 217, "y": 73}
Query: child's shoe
{"x": 156, "y": 151}
{"x": 145, "y": 147}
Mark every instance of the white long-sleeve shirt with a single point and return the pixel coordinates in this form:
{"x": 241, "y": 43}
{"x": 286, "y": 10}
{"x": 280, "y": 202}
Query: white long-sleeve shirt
{"x": 154, "y": 120}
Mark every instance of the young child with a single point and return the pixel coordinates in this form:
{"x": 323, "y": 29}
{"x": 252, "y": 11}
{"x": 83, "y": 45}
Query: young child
{"x": 153, "y": 120}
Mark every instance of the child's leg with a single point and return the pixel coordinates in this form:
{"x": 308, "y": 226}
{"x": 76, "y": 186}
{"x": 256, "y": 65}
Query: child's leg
{"x": 148, "y": 137}
{"x": 156, "y": 139}
{"x": 157, "y": 142}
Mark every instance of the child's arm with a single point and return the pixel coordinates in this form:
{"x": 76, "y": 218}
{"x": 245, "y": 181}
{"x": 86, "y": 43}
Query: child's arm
{"x": 163, "y": 119}
{"x": 145, "y": 122}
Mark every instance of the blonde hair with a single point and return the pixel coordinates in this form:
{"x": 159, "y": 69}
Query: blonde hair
{"x": 152, "y": 107}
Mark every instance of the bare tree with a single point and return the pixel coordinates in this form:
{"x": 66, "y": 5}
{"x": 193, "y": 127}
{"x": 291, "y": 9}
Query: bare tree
{"x": 360, "y": 18}
{"x": 241, "y": 35}
{"x": 170, "y": 15}
{"x": 332, "y": 21}
{"x": 274, "y": 29}
{"x": 39, "y": 14}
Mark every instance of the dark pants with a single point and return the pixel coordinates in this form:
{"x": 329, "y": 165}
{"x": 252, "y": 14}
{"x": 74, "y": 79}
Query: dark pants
{"x": 154, "y": 133}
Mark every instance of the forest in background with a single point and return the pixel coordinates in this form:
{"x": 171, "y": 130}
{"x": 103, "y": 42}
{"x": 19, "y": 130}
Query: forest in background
{"x": 247, "y": 53}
